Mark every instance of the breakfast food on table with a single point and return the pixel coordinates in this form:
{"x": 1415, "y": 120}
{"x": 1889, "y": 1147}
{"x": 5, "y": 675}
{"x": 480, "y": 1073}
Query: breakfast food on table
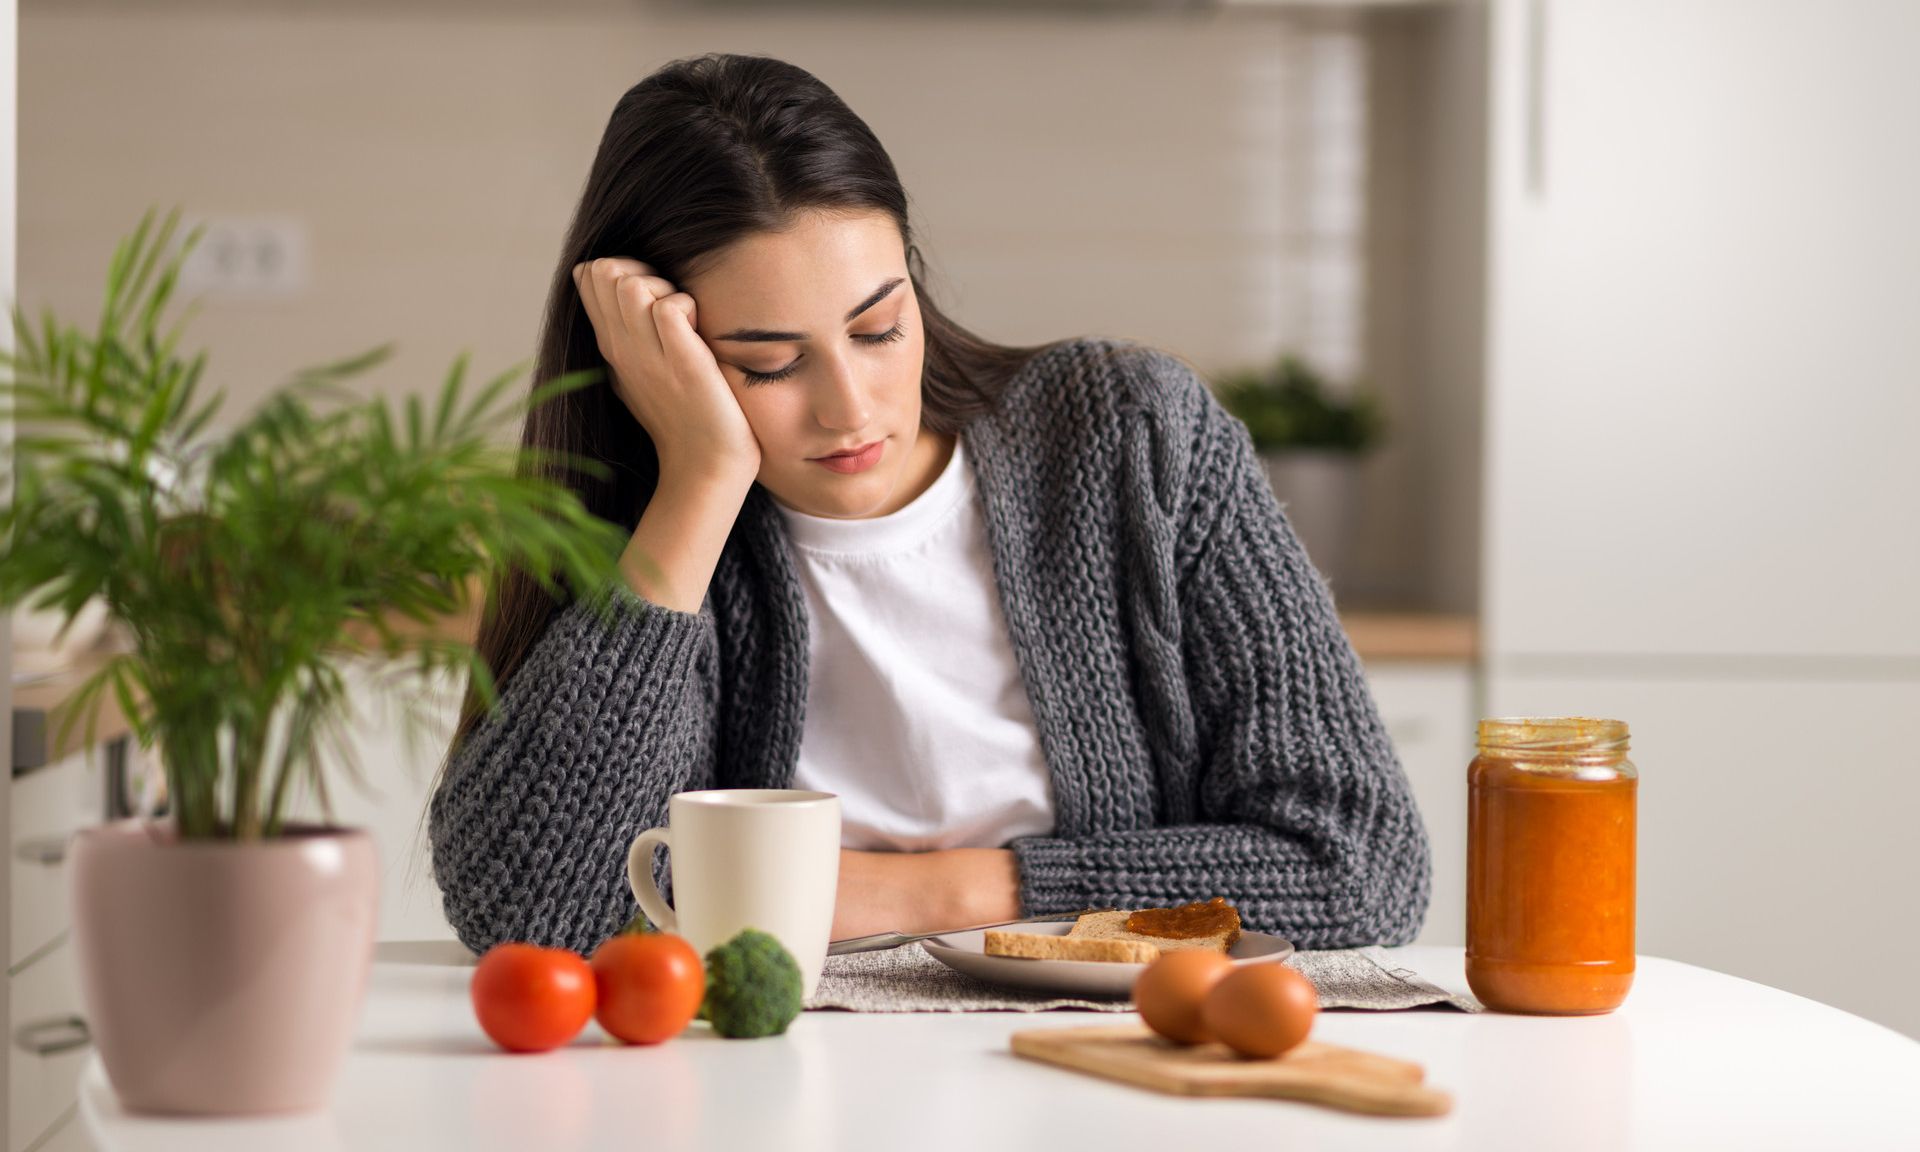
{"x": 1034, "y": 946}
{"x": 644, "y": 987}
{"x": 647, "y": 986}
{"x": 1551, "y": 813}
{"x": 1128, "y": 937}
{"x": 1170, "y": 992}
{"x": 1203, "y": 924}
{"x": 1260, "y": 1010}
{"x": 753, "y": 986}
{"x": 529, "y": 999}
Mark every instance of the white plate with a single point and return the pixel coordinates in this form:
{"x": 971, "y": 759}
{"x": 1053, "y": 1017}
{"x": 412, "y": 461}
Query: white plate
{"x": 965, "y": 952}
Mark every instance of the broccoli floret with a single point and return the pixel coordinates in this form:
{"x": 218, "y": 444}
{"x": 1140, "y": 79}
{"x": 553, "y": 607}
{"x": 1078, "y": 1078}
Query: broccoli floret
{"x": 753, "y": 986}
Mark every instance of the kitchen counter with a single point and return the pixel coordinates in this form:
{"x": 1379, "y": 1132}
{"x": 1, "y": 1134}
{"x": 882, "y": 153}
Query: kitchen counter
{"x": 39, "y": 704}
{"x": 1412, "y": 636}
{"x": 1694, "y": 1059}
{"x": 1377, "y": 635}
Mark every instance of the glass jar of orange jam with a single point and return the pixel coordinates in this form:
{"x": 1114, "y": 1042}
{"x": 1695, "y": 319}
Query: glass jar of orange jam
{"x": 1550, "y": 866}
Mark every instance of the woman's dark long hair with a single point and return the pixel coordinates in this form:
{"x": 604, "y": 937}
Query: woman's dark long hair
{"x": 702, "y": 153}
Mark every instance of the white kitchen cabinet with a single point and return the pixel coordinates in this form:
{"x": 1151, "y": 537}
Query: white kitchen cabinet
{"x": 50, "y": 1045}
{"x": 69, "y": 1135}
{"x": 1775, "y": 826}
{"x": 47, "y": 1036}
{"x": 398, "y": 746}
{"x": 1702, "y": 347}
{"x": 1700, "y": 489}
{"x": 1430, "y": 714}
{"x": 50, "y": 803}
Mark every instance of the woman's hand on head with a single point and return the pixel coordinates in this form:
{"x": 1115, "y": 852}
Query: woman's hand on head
{"x": 664, "y": 373}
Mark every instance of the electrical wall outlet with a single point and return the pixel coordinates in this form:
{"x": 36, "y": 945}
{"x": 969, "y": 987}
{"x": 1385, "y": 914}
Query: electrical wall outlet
{"x": 246, "y": 256}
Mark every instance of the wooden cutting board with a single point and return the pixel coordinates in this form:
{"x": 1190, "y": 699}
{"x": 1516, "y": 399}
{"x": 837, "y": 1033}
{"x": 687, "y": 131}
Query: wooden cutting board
{"x": 1316, "y": 1073}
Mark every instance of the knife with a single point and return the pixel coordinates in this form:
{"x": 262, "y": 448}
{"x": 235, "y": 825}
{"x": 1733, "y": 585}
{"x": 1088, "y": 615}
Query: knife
{"x": 882, "y": 940}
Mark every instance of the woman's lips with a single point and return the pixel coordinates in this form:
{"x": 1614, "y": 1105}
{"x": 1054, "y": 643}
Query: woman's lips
{"x": 857, "y": 462}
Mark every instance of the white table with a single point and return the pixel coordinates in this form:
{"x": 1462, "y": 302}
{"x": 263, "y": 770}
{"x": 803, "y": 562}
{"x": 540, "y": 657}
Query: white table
{"x": 1693, "y": 1060}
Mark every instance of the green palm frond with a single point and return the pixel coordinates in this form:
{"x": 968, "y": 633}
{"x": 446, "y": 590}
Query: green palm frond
{"x": 241, "y": 563}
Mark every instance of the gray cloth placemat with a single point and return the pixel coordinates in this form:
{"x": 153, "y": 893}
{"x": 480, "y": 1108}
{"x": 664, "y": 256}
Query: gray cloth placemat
{"x": 909, "y": 980}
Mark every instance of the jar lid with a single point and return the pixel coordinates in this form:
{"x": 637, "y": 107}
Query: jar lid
{"x": 1555, "y": 735}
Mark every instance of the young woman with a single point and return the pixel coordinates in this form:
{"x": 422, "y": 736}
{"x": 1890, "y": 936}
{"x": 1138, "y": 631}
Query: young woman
{"x": 1033, "y": 613}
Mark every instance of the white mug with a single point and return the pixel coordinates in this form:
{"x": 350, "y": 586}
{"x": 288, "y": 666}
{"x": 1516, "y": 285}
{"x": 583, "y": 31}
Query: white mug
{"x": 766, "y": 858}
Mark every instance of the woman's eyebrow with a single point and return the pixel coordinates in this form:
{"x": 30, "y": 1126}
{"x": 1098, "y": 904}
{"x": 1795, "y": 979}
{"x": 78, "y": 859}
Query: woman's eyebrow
{"x": 769, "y": 336}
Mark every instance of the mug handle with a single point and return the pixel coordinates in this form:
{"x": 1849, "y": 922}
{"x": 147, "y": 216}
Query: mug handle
{"x": 640, "y": 877}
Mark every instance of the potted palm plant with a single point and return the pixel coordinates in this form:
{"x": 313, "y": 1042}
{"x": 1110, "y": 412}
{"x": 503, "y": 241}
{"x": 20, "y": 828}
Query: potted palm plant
{"x": 224, "y": 949}
{"x": 1310, "y": 441}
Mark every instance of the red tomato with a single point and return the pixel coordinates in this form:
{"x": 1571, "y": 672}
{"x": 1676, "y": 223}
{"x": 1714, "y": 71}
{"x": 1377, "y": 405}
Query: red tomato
{"x": 530, "y": 999}
{"x": 649, "y": 986}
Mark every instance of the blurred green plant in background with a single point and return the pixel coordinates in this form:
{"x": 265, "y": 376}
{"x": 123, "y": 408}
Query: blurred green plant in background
{"x": 1290, "y": 406}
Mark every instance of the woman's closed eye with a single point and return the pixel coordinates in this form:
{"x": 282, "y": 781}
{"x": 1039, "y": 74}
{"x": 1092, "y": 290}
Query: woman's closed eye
{"x": 897, "y": 332}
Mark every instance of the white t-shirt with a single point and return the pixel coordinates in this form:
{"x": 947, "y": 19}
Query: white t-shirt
{"x": 916, "y": 714}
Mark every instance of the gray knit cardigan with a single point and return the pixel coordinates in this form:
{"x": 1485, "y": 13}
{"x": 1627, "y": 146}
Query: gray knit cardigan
{"x": 1200, "y": 709}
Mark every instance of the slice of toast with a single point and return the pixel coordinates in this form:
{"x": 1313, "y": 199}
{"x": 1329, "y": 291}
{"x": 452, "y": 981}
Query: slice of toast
{"x": 1034, "y": 946}
{"x": 1113, "y": 926}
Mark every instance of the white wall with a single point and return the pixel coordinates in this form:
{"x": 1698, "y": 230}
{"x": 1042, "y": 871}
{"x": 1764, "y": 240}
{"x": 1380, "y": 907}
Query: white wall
{"x": 1428, "y": 312}
{"x": 1057, "y": 189}
{"x": 1149, "y": 175}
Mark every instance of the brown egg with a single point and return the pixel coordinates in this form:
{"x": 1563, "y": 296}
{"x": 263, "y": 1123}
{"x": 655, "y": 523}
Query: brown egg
{"x": 1260, "y": 1010}
{"x": 1169, "y": 993}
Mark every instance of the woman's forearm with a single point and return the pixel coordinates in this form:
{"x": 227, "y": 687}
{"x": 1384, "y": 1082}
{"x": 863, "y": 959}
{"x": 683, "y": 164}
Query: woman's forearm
{"x": 676, "y": 546}
{"x": 528, "y": 790}
{"x": 924, "y": 891}
{"x": 1369, "y": 885}
{"x": 972, "y": 886}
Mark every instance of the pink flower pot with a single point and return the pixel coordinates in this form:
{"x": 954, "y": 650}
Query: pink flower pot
{"x": 221, "y": 977}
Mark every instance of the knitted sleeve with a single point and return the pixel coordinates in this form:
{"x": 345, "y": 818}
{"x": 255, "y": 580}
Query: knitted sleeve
{"x": 1309, "y": 825}
{"x": 608, "y": 716}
